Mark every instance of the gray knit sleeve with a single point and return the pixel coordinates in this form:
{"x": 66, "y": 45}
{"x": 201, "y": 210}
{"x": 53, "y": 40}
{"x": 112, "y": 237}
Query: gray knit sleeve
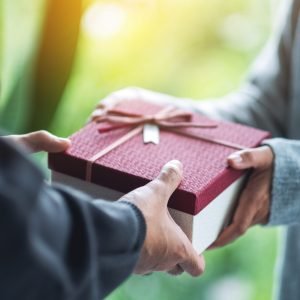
{"x": 285, "y": 200}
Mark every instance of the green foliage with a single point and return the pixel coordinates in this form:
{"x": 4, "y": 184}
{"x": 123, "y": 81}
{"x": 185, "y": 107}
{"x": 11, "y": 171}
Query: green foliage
{"x": 19, "y": 28}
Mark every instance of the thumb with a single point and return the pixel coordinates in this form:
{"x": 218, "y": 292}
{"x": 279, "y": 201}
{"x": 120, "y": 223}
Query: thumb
{"x": 169, "y": 178}
{"x": 45, "y": 141}
{"x": 257, "y": 158}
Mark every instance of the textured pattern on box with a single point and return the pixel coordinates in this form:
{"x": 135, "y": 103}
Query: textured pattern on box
{"x": 134, "y": 163}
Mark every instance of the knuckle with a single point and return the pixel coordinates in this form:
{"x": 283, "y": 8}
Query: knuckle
{"x": 38, "y": 139}
{"x": 154, "y": 185}
{"x": 156, "y": 189}
{"x": 42, "y": 135}
{"x": 43, "y": 132}
{"x": 164, "y": 177}
{"x": 166, "y": 181}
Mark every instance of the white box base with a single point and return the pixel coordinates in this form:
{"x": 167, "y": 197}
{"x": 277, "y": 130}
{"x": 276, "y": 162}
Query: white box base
{"x": 202, "y": 229}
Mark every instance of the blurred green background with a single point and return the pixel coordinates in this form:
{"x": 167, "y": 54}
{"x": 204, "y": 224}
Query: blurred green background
{"x": 58, "y": 58}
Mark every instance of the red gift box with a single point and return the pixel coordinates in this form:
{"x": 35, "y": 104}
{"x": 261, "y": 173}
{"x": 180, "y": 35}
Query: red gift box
{"x": 134, "y": 163}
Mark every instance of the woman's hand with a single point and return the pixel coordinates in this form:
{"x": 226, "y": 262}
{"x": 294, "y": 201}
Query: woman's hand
{"x": 166, "y": 247}
{"x": 254, "y": 203}
{"x": 132, "y": 94}
{"x": 40, "y": 141}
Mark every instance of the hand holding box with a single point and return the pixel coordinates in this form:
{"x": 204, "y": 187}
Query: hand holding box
{"x": 203, "y": 202}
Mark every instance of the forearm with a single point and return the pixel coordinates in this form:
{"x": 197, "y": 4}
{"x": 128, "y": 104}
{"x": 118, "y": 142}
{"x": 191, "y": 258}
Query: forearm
{"x": 285, "y": 193}
{"x": 103, "y": 243}
{"x": 252, "y": 106}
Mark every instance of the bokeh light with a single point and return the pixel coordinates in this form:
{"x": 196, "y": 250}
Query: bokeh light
{"x": 104, "y": 20}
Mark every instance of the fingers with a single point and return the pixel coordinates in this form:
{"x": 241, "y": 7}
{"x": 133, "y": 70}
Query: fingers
{"x": 112, "y": 100}
{"x": 44, "y": 141}
{"x": 258, "y": 158}
{"x": 253, "y": 207}
{"x": 233, "y": 231}
{"x": 242, "y": 219}
{"x": 177, "y": 270}
{"x": 168, "y": 179}
{"x": 229, "y": 234}
{"x": 190, "y": 261}
{"x": 126, "y": 94}
{"x": 194, "y": 265}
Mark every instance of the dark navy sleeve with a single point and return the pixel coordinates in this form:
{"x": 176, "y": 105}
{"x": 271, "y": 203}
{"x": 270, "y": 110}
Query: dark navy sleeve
{"x": 55, "y": 243}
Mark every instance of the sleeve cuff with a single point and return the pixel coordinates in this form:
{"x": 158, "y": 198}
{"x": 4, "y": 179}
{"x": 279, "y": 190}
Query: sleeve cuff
{"x": 141, "y": 222}
{"x": 285, "y": 191}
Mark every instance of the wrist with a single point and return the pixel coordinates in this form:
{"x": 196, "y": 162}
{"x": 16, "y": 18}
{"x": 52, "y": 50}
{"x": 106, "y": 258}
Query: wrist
{"x": 140, "y": 219}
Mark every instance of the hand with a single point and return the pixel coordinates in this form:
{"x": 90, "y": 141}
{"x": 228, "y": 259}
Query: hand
{"x": 130, "y": 94}
{"x": 254, "y": 203}
{"x": 166, "y": 247}
{"x": 40, "y": 141}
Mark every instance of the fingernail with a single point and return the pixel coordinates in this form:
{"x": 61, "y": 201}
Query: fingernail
{"x": 236, "y": 158}
{"x": 64, "y": 140}
{"x": 175, "y": 164}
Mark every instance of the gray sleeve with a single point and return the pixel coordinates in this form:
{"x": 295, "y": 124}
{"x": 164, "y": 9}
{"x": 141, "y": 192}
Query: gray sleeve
{"x": 263, "y": 101}
{"x": 285, "y": 207}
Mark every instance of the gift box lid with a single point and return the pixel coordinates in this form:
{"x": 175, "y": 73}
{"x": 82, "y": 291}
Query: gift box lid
{"x": 133, "y": 164}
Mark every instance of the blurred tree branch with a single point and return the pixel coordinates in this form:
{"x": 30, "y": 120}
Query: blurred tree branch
{"x": 55, "y": 59}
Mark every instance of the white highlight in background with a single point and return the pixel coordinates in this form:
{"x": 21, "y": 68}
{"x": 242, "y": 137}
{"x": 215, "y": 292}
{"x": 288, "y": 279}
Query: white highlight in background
{"x": 102, "y": 21}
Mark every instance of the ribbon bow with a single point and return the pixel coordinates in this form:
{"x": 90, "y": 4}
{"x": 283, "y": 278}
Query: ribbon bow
{"x": 167, "y": 118}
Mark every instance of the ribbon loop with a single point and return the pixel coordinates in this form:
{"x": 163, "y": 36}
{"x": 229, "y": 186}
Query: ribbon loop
{"x": 169, "y": 117}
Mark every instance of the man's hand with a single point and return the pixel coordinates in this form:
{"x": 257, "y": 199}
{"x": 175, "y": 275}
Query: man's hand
{"x": 254, "y": 203}
{"x": 166, "y": 247}
{"x": 40, "y": 141}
